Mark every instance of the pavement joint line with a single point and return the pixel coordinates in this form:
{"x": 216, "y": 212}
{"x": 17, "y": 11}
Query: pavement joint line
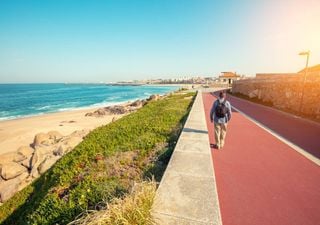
{"x": 193, "y": 152}
{"x": 183, "y": 218}
{"x": 189, "y": 174}
{"x": 284, "y": 140}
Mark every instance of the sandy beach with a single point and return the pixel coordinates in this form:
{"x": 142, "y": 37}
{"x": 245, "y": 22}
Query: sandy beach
{"x": 21, "y": 132}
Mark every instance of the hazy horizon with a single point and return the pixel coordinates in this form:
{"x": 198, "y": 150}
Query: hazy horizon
{"x": 107, "y": 41}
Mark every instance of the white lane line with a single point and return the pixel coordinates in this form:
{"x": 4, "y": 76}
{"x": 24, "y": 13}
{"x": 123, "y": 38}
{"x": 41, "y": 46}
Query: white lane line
{"x": 284, "y": 140}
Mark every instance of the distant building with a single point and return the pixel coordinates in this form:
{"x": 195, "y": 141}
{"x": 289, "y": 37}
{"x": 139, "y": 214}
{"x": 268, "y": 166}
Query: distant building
{"x": 228, "y": 77}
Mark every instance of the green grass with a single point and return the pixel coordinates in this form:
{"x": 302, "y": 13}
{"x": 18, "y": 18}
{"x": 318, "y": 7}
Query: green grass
{"x": 133, "y": 209}
{"x": 102, "y": 167}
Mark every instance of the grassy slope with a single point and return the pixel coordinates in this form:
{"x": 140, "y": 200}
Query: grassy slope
{"x": 102, "y": 167}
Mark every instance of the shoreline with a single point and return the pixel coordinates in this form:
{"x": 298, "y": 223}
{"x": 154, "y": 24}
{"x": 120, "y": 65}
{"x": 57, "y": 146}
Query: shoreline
{"x": 19, "y": 132}
{"x": 93, "y": 106}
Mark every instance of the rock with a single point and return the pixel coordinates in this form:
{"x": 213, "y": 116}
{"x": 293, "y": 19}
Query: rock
{"x": 46, "y": 150}
{"x": 26, "y": 163}
{"x": 62, "y": 149}
{"x": 55, "y": 135}
{"x": 11, "y": 170}
{"x": 116, "y": 110}
{"x": 42, "y": 139}
{"x": 10, "y": 187}
{"x": 24, "y": 182}
{"x": 47, "y": 164}
{"x": 137, "y": 104}
{"x": 73, "y": 141}
{"x": 79, "y": 133}
{"x": 89, "y": 114}
{"x": 35, "y": 158}
{"x": 144, "y": 102}
{"x": 26, "y": 151}
{"x": 100, "y": 112}
{"x": 11, "y": 157}
{"x": 153, "y": 98}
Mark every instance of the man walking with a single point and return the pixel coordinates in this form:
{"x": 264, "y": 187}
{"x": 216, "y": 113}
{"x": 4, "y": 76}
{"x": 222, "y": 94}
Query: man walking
{"x": 220, "y": 114}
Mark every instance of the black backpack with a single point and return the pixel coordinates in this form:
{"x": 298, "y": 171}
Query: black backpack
{"x": 221, "y": 109}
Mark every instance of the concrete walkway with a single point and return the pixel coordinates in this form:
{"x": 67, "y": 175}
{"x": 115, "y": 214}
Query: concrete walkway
{"x": 187, "y": 193}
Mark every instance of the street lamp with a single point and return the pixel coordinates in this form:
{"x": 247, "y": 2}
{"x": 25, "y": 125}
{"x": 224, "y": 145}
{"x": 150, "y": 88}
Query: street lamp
{"x": 307, "y": 53}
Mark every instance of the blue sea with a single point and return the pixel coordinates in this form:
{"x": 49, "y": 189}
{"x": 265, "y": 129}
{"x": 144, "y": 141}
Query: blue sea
{"x": 22, "y": 100}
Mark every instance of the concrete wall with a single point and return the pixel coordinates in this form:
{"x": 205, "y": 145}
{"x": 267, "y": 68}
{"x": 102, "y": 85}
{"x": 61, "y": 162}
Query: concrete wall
{"x": 284, "y": 92}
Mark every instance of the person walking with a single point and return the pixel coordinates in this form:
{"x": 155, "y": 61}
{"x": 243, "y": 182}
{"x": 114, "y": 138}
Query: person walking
{"x": 220, "y": 114}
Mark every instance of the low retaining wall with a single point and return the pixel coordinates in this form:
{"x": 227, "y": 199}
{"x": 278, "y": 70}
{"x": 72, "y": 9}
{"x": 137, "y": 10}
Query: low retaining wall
{"x": 187, "y": 193}
{"x": 284, "y": 93}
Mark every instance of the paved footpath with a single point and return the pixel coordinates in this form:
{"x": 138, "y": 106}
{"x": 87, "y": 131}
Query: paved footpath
{"x": 261, "y": 180}
{"x": 187, "y": 193}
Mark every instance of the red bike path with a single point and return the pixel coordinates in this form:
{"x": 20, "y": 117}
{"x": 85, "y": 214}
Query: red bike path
{"x": 261, "y": 180}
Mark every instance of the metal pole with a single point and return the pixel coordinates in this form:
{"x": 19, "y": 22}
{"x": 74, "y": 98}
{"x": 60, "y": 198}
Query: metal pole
{"x": 304, "y": 81}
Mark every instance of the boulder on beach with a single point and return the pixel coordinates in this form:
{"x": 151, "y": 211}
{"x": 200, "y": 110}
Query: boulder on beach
{"x": 55, "y": 135}
{"x": 10, "y": 187}
{"x": 79, "y": 133}
{"x": 137, "y": 103}
{"x": 42, "y": 139}
{"x": 26, "y": 151}
{"x": 26, "y": 163}
{"x": 45, "y": 150}
{"x": 47, "y": 163}
{"x": 11, "y": 157}
{"x": 35, "y": 158}
{"x": 153, "y": 98}
{"x": 11, "y": 170}
{"x": 116, "y": 110}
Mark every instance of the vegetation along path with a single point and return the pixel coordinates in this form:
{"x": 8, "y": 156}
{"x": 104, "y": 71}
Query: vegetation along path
{"x": 104, "y": 166}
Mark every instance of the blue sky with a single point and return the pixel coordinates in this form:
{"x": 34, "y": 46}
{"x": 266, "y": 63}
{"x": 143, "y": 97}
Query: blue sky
{"x": 111, "y": 40}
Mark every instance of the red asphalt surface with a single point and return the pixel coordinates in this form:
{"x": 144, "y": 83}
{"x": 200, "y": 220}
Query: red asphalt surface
{"x": 261, "y": 180}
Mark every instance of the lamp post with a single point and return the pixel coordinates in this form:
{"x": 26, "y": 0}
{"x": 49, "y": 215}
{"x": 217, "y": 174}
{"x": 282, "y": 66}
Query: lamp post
{"x": 307, "y": 53}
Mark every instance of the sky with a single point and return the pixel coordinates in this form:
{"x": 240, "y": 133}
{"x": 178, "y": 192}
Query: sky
{"x": 115, "y": 40}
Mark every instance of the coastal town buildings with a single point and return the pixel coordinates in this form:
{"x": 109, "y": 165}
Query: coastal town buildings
{"x": 228, "y": 77}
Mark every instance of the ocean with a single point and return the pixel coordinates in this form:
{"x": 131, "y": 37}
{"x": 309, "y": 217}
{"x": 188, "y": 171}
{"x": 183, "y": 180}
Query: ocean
{"x": 23, "y": 100}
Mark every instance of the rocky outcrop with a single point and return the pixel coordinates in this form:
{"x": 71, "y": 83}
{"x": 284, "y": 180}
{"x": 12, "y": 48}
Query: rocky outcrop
{"x": 124, "y": 108}
{"x": 153, "y": 98}
{"x": 18, "y": 169}
{"x": 46, "y": 138}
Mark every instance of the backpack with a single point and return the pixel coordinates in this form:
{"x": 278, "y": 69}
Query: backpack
{"x": 221, "y": 109}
